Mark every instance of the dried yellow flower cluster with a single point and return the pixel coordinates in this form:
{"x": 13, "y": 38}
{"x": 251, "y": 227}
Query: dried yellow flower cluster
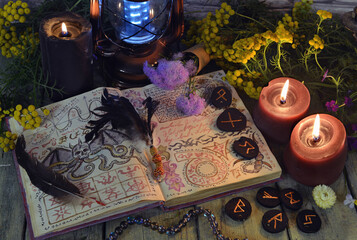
{"x": 13, "y": 41}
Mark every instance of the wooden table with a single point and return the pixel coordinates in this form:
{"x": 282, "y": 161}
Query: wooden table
{"x": 338, "y": 223}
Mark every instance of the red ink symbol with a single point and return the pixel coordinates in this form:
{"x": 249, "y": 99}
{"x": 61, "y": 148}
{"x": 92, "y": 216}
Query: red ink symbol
{"x": 53, "y": 143}
{"x": 87, "y": 203}
{"x": 61, "y": 212}
{"x": 249, "y": 148}
{"x": 84, "y": 187}
{"x": 106, "y": 179}
{"x": 290, "y": 196}
{"x": 278, "y": 217}
{"x": 267, "y": 195}
{"x": 308, "y": 219}
{"x": 111, "y": 193}
{"x": 54, "y": 201}
{"x": 230, "y": 120}
{"x": 221, "y": 94}
{"x": 239, "y": 205}
{"x": 136, "y": 185}
{"x": 130, "y": 173}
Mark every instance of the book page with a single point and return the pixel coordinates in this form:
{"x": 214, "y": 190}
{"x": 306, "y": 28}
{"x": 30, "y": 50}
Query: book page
{"x": 110, "y": 168}
{"x": 198, "y": 158}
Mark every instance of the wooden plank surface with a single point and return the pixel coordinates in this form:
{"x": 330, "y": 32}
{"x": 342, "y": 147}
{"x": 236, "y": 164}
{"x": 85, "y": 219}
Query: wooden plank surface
{"x": 12, "y": 220}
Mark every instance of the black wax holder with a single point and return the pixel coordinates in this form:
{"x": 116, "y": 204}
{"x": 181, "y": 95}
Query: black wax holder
{"x": 67, "y": 60}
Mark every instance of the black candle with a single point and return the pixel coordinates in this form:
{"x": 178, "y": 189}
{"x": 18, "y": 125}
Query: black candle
{"x": 67, "y": 55}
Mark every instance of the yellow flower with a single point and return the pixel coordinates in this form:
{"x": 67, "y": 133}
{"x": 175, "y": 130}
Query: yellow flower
{"x": 324, "y": 196}
{"x": 24, "y": 5}
{"x": 8, "y": 134}
{"x": 38, "y": 119}
{"x": 31, "y": 108}
{"x": 22, "y": 19}
{"x": 324, "y": 14}
{"x": 46, "y": 111}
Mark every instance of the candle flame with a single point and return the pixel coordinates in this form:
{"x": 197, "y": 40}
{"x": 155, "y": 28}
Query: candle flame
{"x": 94, "y": 9}
{"x": 284, "y": 92}
{"x": 316, "y": 129}
{"x": 151, "y": 13}
{"x": 64, "y": 29}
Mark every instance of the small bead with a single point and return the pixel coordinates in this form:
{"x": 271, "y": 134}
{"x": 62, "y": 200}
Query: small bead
{"x": 139, "y": 220}
{"x": 154, "y": 226}
{"x": 124, "y": 224}
{"x": 119, "y": 230}
{"x": 146, "y": 223}
{"x": 130, "y": 220}
{"x": 170, "y": 231}
{"x": 161, "y": 229}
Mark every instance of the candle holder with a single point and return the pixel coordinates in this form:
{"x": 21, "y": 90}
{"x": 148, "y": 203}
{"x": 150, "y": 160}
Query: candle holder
{"x": 66, "y": 57}
{"x": 316, "y": 161}
{"x": 276, "y": 118}
{"x": 139, "y": 32}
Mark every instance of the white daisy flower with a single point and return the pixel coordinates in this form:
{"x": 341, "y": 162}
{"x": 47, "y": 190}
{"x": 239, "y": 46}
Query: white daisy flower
{"x": 324, "y": 196}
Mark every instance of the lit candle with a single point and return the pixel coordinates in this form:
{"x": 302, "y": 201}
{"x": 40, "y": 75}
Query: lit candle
{"x": 317, "y": 150}
{"x": 281, "y": 105}
{"x": 64, "y": 32}
{"x": 66, "y": 48}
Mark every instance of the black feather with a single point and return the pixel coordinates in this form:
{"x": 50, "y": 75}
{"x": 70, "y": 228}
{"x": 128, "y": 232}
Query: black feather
{"x": 151, "y": 106}
{"x": 42, "y": 177}
{"x": 123, "y": 116}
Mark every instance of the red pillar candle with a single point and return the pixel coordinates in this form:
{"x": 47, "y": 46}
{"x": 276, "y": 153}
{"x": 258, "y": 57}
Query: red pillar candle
{"x": 275, "y": 118}
{"x": 312, "y": 162}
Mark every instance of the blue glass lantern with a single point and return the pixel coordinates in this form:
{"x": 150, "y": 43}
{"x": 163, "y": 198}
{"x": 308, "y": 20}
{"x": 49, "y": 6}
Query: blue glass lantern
{"x": 141, "y": 31}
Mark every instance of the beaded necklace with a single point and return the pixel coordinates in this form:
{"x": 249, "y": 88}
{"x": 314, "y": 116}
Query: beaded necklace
{"x": 172, "y": 230}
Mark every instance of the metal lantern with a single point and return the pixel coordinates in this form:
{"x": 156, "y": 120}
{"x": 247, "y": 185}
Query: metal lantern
{"x": 139, "y": 31}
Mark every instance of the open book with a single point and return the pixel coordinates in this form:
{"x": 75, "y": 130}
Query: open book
{"x": 198, "y": 159}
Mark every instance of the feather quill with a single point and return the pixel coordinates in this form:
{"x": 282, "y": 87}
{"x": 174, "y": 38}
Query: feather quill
{"x": 123, "y": 116}
{"x": 42, "y": 177}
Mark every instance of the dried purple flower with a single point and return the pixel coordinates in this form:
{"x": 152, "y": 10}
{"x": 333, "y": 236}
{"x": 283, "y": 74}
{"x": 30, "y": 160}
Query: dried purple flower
{"x": 331, "y": 106}
{"x": 168, "y": 74}
{"x": 191, "y": 67}
{"x": 177, "y": 56}
{"x": 191, "y": 105}
{"x": 348, "y": 102}
{"x": 324, "y": 76}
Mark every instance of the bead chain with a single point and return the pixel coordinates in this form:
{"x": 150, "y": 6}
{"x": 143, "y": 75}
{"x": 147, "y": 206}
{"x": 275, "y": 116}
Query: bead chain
{"x": 173, "y": 229}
